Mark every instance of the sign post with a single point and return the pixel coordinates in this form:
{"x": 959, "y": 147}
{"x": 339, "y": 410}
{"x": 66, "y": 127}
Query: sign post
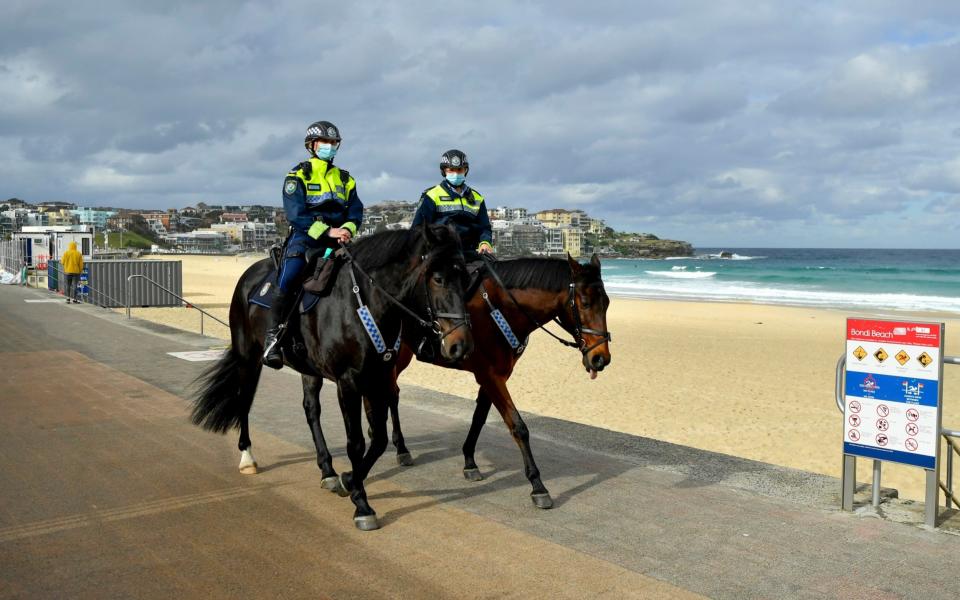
{"x": 892, "y": 401}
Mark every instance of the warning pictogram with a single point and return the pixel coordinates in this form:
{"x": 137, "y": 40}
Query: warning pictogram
{"x": 854, "y": 435}
{"x": 913, "y": 414}
{"x": 883, "y": 410}
{"x": 911, "y": 444}
{"x": 902, "y": 357}
{"x": 854, "y": 406}
{"x": 860, "y": 353}
{"x": 925, "y": 359}
{"x": 883, "y": 425}
{"x": 913, "y": 429}
{"x": 882, "y": 439}
{"x": 855, "y": 420}
{"x": 881, "y": 355}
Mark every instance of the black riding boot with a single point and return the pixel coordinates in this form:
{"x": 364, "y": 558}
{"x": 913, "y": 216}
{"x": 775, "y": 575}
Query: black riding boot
{"x": 272, "y": 356}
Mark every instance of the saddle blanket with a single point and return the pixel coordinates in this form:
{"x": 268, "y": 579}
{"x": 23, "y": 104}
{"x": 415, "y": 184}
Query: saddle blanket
{"x": 266, "y": 290}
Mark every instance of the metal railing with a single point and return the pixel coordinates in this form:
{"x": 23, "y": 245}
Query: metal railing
{"x": 186, "y": 302}
{"x": 948, "y": 435}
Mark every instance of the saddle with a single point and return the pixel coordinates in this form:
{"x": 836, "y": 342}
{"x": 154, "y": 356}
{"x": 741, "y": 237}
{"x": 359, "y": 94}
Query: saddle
{"x": 316, "y": 286}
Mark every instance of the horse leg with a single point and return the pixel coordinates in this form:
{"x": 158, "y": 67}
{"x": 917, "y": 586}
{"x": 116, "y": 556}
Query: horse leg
{"x": 248, "y": 464}
{"x": 500, "y": 396}
{"x": 404, "y": 458}
{"x": 311, "y": 409}
{"x": 351, "y": 483}
{"x": 248, "y": 386}
{"x": 480, "y": 412}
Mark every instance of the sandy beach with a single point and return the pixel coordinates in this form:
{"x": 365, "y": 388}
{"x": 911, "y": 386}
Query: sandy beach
{"x": 755, "y": 381}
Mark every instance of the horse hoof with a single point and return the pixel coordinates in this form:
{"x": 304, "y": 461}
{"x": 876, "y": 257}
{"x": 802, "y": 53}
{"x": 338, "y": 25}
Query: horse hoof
{"x": 366, "y": 522}
{"x": 472, "y": 474}
{"x": 542, "y": 500}
{"x": 331, "y": 483}
{"x": 405, "y": 459}
{"x": 342, "y": 489}
{"x": 248, "y": 464}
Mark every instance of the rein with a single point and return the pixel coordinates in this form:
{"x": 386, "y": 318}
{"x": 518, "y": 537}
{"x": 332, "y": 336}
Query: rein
{"x": 578, "y": 341}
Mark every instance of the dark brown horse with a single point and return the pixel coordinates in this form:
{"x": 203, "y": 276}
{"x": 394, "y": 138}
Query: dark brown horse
{"x": 528, "y": 292}
{"x": 409, "y": 281}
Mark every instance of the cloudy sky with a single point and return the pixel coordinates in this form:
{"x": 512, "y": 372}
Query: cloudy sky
{"x": 721, "y": 123}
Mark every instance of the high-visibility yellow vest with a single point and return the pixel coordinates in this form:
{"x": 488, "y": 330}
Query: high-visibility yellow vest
{"x": 447, "y": 205}
{"x": 325, "y": 184}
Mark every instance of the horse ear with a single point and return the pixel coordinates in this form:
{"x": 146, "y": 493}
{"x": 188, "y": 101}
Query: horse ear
{"x": 595, "y": 260}
{"x": 574, "y": 265}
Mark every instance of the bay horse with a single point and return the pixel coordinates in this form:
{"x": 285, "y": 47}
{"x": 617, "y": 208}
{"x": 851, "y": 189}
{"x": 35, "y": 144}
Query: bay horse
{"x": 404, "y": 274}
{"x": 528, "y": 292}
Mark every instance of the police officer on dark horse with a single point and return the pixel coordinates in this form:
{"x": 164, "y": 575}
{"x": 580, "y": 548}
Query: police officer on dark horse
{"x": 323, "y": 209}
{"x": 392, "y": 286}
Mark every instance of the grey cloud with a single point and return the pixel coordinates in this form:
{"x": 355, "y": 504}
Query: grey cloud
{"x": 691, "y": 117}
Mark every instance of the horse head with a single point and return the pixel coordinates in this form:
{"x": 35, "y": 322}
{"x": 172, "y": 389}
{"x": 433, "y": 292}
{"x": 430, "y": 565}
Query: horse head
{"x": 587, "y": 312}
{"x": 442, "y": 278}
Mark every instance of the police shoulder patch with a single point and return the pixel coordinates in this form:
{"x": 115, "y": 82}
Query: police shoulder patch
{"x": 290, "y": 186}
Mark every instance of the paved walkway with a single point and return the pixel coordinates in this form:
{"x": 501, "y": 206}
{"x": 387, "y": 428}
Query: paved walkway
{"x": 108, "y": 491}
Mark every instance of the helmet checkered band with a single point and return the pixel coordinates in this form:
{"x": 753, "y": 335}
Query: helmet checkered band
{"x": 314, "y": 131}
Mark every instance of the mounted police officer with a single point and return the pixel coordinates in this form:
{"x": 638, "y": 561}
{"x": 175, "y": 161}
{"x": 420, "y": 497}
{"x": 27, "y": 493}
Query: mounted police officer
{"x": 453, "y": 202}
{"x": 323, "y": 209}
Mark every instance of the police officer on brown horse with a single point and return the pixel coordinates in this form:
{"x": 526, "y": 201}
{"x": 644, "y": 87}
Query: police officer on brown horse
{"x": 454, "y": 202}
{"x": 323, "y": 209}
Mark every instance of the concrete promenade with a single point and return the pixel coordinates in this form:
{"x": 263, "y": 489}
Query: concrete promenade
{"x": 108, "y": 491}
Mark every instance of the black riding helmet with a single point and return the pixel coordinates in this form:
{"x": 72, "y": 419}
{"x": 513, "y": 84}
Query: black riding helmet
{"x": 320, "y": 130}
{"x": 454, "y": 158}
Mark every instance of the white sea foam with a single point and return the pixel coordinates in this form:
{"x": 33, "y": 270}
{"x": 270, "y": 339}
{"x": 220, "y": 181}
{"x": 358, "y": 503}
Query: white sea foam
{"x": 681, "y": 286}
{"x": 682, "y": 274}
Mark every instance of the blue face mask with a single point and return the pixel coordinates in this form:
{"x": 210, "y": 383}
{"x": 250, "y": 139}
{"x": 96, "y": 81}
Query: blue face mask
{"x": 456, "y": 178}
{"x": 326, "y": 151}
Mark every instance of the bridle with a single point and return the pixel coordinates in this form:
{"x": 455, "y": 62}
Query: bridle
{"x": 433, "y": 315}
{"x": 579, "y": 328}
{"x": 578, "y": 341}
{"x": 432, "y": 322}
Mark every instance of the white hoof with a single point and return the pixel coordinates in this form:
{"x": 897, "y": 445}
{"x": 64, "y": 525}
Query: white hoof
{"x": 248, "y": 464}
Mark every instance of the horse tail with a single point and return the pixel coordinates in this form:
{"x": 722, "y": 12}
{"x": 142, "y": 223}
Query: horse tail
{"x": 222, "y": 400}
{"x": 226, "y": 389}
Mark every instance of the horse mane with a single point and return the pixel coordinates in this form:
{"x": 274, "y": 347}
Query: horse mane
{"x": 387, "y": 247}
{"x": 552, "y": 274}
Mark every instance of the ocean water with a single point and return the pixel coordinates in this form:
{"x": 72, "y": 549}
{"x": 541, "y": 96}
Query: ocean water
{"x": 869, "y": 280}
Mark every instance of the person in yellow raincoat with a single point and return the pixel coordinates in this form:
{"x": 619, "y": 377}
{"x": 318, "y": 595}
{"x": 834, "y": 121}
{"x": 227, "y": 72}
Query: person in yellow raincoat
{"x": 72, "y": 263}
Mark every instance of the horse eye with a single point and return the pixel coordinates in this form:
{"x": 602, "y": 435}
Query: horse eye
{"x": 438, "y": 278}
